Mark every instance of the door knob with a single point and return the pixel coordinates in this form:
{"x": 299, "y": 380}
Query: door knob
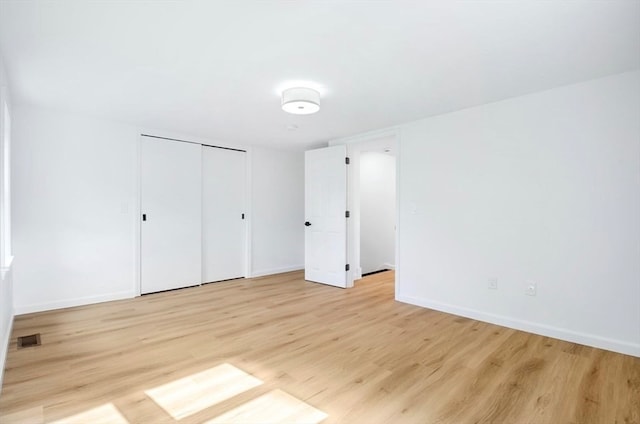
{"x": 307, "y": 224}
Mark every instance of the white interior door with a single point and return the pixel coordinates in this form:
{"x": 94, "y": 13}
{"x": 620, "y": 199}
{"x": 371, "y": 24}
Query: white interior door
{"x": 326, "y": 225}
{"x": 170, "y": 245}
{"x": 223, "y": 208}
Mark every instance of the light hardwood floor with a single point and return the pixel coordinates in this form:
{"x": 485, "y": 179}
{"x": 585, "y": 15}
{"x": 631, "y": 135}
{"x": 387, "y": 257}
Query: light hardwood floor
{"x": 355, "y": 355}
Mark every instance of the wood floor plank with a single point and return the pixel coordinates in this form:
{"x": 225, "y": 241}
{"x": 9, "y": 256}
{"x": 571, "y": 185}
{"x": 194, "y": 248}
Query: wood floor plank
{"x": 356, "y": 355}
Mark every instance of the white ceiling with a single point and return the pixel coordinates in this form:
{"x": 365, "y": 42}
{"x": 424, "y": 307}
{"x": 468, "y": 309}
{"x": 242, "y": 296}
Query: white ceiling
{"x": 213, "y": 68}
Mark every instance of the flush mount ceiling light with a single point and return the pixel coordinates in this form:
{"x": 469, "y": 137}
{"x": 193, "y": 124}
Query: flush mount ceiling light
{"x": 300, "y": 100}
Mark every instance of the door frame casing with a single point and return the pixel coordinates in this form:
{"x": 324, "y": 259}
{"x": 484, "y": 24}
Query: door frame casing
{"x": 356, "y": 145}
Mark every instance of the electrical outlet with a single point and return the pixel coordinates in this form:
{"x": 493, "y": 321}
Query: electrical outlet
{"x": 532, "y": 288}
{"x": 492, "y": 283}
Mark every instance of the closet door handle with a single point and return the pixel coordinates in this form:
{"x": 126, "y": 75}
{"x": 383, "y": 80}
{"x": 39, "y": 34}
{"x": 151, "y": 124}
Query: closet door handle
{"x": 307, "y": 224}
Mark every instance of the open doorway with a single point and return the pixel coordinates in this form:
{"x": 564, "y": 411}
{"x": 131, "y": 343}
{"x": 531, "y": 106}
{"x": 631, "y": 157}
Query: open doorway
{"x": 372, "y": 200}
{"x": 377, "y": 211}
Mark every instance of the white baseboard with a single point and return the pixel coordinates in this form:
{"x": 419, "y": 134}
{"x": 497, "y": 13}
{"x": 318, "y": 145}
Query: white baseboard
{"x": 390, "y": 266}
{"x": 614, "y": 345}
{"x": 68, "y": 303}
{"x": 263, "y": 272}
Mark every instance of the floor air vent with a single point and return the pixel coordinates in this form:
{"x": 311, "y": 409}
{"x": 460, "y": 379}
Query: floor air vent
{"x": 29, "y": 341}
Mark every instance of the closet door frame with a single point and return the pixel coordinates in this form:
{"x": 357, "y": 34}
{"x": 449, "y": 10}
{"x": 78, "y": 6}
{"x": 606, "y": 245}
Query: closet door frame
{"x": 137, "y": 212}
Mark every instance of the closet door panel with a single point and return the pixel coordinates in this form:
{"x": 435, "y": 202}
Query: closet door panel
{"x": 171, "y": 242}
{"x": 223, "y": 206}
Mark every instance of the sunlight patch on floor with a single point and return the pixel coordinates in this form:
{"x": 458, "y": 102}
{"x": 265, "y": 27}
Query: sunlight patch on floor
{"x": 104, "y": 414}
{"x": 187, "y": 396}
{"x": 274, "y": 407}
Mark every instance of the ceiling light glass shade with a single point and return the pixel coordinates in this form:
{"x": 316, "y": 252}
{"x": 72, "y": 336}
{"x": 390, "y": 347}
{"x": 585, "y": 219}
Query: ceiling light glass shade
{"x": 300, "y": 100}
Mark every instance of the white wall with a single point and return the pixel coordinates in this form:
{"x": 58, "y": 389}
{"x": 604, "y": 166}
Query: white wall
{"x": 75, "y": 213}
{"x": 277, "y": 224}
{"x": 543, "y": 187}
{"x": 377, "y": 211}
{"x": 74, "y": 201}
{"x": 6, "y": 280}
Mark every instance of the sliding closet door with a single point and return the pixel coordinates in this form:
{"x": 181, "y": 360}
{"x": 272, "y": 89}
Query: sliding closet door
{"x": 223, "y": 206}
{"x": 171, "y": 177}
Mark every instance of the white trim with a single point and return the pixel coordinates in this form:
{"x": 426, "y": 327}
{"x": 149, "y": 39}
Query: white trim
{"x": 528, "y": 326}
{"x": 355, "y": 146}
{"x": 138, "y": 218}
{"x": 357, "y": 273}
{"x": 6, "y": 339}
{"x": 368, "y": 136}
{"x": 389, "y": 266}
{"x": 190, "y": 138}
{"x": 8, "y": 313}
{"x": 68, "y": 303}
{"x": 248, "y": 214}
{"x": 262, "y": 273}
{"x": 6, "y": 268}
{"x": 397, "y": 268}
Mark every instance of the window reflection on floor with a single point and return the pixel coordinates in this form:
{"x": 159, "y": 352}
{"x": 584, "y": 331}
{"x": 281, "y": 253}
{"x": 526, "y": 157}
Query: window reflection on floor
{"x": 192, "y": 394}
{"x": 104, "y": 414}
{"x": 197, "y": 392}
{"x": 272, "y": 408}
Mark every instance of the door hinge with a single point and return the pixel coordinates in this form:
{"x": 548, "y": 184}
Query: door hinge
{"x": 346, "y": 160}
{"x": 347, "y": 214}
{"x": 346, "y": 267}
